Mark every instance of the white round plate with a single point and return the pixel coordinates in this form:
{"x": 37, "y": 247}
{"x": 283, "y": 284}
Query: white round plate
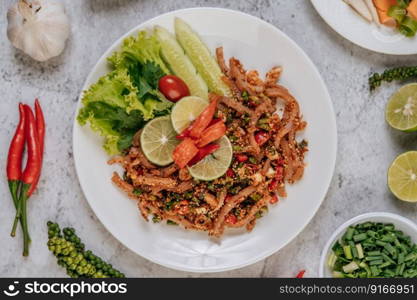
{"x": 344, "y": 20}
{"x": 258, "y": 45}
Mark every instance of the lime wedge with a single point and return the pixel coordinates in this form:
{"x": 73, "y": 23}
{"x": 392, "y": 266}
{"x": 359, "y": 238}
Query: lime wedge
{"x": 401, "y": 110}
{"x": 158, "y": 141}
{"x": 187, "y": 110}
{"x": 215, "y": 165}
{"x": 402, "y": 177}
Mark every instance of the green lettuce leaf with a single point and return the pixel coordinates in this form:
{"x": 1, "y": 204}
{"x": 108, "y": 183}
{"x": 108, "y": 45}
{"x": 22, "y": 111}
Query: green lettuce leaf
{"x": 144, "y": 48}
{"x": 113, "y": 123}
{"x": 120, "y": 102}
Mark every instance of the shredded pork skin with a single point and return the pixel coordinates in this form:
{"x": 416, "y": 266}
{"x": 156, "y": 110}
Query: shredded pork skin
{"x": 242, "y": 195}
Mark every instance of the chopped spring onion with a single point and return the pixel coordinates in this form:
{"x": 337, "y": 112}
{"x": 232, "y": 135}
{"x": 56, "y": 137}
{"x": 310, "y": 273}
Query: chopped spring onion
{"x": 360, "y": 251}
{"x": 349, "y": 268}
{"x": 348, "y": 252}
{"x": 332, "y": 260}
{"x": 373, "y": 250}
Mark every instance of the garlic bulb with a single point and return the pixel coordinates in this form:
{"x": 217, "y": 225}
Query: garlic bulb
{"x": 38, "y": 27}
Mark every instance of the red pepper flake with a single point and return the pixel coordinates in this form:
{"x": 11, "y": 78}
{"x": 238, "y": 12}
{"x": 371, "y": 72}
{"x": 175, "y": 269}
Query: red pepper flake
{"x": 281, "y": 162}
{"x": 230, "y": 173}
{"x": 300, "y": 274}
{"x": 273, "y": 185}
{"x": 261, "y": 137}
{"x": 231, "y": 219}
{"x": 279, "y": 173}
{"x": 274, "y": 199}
{"x": 241, "y": 157}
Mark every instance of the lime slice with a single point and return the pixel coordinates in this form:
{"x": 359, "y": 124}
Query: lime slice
{"x": 402, "y": 177}
{"x": 158, "y": 141}
{"x": 201, "y": 57}
{"x": 215, "y": 165}
{"x": 401, "y": 110}
{"x": 185, "y": 111}
{"x": 180, "y": 64}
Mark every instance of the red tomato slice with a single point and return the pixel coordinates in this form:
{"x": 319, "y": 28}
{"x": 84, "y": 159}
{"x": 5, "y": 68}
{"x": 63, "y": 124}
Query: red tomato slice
{"x": 173, "y": 87}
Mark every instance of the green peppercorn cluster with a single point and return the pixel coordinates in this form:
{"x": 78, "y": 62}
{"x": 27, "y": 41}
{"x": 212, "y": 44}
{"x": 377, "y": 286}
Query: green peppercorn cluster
{"x": 71, "y": 255}
{"x": 400, "y": 73}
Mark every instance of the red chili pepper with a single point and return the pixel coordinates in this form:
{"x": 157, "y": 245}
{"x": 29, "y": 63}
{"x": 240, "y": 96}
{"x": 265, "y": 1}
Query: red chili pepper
{"x": 231, "y": 219}
{"x": 203, "y": 120}
{"x": 230, "y": 173}
{"x": 215, "y": 121}
{"x": 184, "y": 134}
{"x": 29, "y": 176}
{"x": 211, "y": 134}
{"x": 14, "y": 158}
{"x": 300, "y": 274}
{"x": 273, "y": 185}
{"x": 241, "y": 157}
{"x": 261, "y": 137}
{"x": 279, "y": 173}
{"x": 203, "y": 152}
{"x": 40, "y": 125}
{"x": 274, "y": 199}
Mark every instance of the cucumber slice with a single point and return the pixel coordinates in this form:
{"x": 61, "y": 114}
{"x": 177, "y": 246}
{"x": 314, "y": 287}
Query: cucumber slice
{"x": 201, "y": 57}
{"x": 180, "y": 64}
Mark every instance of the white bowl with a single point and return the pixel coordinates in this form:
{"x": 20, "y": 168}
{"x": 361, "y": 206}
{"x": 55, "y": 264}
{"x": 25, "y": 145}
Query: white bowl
{"x": 405, "y": 225}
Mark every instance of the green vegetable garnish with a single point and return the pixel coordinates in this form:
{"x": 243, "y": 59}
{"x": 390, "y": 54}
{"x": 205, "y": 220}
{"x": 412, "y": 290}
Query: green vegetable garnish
{"x": 373, "y": 250}
{"x": 408, "y": 27}
{"x": 120, "y": 103}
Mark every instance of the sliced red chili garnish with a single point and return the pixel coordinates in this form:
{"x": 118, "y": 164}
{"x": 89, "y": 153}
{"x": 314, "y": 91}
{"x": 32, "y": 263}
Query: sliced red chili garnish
{"x": 202, "y": 153}
{"x": 204, "y": 119}
{"x": 211, "y": 134}
{"x": 184, "y": 152}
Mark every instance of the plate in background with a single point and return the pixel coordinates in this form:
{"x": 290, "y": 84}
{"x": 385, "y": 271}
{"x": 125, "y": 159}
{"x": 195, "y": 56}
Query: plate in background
{"x": 345, "y": 21}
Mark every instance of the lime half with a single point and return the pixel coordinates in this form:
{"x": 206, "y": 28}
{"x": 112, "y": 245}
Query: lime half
{"x": 187, "y": 110}
{"x": 215, "y": 165}
{"x": 402, "y": 177}
{"x": 158, "y": 141}
{"x": 401, "y": 110}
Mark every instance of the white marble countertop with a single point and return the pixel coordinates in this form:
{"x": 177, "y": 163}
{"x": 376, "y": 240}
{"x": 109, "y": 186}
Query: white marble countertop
{"x": 366, "y": 144}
